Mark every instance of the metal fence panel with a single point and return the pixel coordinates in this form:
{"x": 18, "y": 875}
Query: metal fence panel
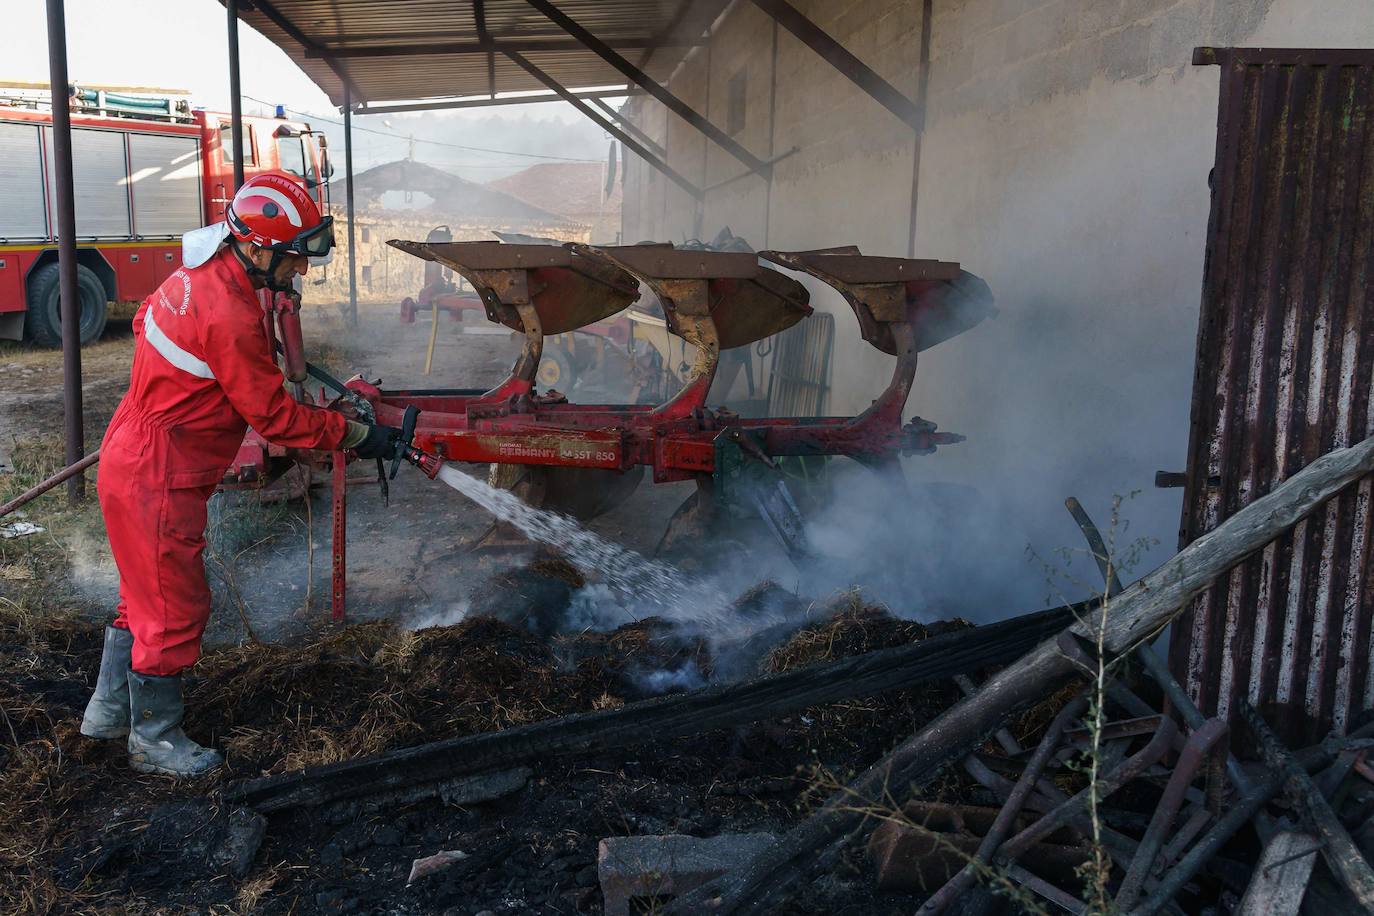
{"x": 1284, "y": 356}
{"x": 800, "y": 378}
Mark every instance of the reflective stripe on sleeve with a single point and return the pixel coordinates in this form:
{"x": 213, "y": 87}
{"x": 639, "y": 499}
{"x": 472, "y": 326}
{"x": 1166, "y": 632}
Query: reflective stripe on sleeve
{"x": 169, "y": 349}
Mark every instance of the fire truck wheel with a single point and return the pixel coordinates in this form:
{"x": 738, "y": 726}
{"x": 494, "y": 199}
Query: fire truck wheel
{"x": 43, "y": 322}
{"x": 556, "y": 371}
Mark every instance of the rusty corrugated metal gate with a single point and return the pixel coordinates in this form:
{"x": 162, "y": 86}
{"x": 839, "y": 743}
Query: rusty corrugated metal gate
{"x": 1284, "y": 355}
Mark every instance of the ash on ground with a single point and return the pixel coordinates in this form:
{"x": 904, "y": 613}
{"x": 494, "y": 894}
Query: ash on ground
{"x": 79, "y": 831}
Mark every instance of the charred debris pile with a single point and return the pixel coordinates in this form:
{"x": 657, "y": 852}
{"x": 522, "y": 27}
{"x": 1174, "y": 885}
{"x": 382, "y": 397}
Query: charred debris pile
{"x": 78, "y": 829}
{"x": 858, "y": 763}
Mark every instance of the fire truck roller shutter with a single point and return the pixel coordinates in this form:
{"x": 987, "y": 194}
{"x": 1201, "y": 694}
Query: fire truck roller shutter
{"x": 165, "y": 175}
{"x": 43, "y": 320}
{"x": 100, "y": 178}
{"x": 21, "y": 183}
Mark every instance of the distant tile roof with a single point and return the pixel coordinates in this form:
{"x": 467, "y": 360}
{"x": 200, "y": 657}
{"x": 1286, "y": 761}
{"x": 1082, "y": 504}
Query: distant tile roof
{"x": 453, "y": 197}
{"x": 570, "y": 189}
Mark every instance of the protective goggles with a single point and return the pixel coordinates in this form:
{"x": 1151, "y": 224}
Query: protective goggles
{"x": 315, "y": 242}
{"x": 312, "y": 243}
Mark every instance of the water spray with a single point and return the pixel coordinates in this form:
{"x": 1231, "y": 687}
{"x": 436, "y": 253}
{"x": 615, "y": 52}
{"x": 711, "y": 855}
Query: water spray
{"x": 632, "y": 577}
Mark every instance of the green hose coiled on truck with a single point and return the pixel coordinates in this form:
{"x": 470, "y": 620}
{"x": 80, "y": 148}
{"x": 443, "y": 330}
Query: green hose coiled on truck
{"x": 114, "y": 101}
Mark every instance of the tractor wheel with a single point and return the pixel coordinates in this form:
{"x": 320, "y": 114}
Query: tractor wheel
{"x": 556, "y": 371}
{"x": 43, "y": 322}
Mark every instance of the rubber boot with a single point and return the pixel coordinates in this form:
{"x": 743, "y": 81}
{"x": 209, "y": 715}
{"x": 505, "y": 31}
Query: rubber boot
{"x": 156, "y": 742}
{"x": 107, "y": 714}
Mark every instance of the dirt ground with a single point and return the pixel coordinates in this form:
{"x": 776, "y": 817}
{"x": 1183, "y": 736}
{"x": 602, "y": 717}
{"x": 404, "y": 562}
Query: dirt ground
{"x": 79, "y": 832}
{"x": 411, "y": 561}
{"x": 441, "y": 642}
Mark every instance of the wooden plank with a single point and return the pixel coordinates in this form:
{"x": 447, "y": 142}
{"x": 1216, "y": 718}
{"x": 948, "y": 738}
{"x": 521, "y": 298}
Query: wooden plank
{"x": 1341, "y": 853}
{"x": 1133, "y": 617}
{"x": 1281, "y": 876}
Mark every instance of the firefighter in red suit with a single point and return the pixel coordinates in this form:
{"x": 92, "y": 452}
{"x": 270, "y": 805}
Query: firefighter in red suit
{"x": 202, "y": 373}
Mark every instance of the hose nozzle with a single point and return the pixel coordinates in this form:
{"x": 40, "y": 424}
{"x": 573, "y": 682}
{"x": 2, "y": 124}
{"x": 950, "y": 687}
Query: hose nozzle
{"x": 428, "y": 464}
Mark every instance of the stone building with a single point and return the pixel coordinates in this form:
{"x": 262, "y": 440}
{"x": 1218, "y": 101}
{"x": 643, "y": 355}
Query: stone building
{"x": 405, "y": 200}
{"x": 576, "y": 191}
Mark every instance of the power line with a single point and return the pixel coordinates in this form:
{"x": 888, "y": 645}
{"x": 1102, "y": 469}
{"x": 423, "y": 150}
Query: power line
{"x": 383, "y": 133}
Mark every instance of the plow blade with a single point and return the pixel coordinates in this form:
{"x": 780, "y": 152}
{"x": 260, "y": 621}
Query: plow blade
{"x": 744, "y": 300}
{"x": 936, "y": 299}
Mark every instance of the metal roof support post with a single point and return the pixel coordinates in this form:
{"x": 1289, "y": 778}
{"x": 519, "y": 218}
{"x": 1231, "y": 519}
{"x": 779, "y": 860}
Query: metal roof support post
{"x": 66, "y": 244}
{"x": 235, "y": 97}
{"x": 649, "y": 85}
{"x": 479, "y": 15}
{"x": 484, "y": 102}
{"x": 669, "y": 30}
{"x": 839, "y": 57}
{"x": 348, "y": 195}
{"x": 918, "y": 133}
{"x": 481, "y": 46}
{"x": 630, "y": 142}
{"x": 630, "y": 126}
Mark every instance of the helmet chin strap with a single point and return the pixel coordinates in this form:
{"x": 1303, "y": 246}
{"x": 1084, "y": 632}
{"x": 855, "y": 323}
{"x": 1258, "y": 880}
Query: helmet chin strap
{"x": 268, "y": 276}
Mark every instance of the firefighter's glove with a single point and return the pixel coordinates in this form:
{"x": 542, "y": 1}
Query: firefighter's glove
{"x": 375, "y": 441}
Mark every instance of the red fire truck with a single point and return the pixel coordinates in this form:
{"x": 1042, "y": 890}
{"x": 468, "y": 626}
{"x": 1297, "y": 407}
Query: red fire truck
{"x": 145, "y": 171}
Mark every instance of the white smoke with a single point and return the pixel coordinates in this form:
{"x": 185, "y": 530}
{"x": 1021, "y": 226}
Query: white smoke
{"x": 445, "y": 616}
{"x": 688, "y": 677}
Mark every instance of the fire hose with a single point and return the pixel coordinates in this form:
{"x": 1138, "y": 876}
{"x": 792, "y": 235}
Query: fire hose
{"x": 360, "y": 403}
{"x": 33, "y": 493}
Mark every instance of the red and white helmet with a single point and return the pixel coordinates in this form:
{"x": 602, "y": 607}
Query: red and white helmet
{"x": 271, "y": 211}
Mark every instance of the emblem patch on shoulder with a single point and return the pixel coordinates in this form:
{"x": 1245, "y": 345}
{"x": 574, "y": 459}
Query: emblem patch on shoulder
{"x": 163, "y": 299}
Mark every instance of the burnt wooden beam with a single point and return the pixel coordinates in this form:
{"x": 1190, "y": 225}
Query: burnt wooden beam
{"x": 1147, "y": 607}
{"x": 1096, "y": 546}
{"x": 843, "y": 60}
{"x": 630, "y": 142}
{"x": 649, "y": 85}
{"x": 715, "y": 707}
{"x": 1128, "y": 620}
{"x": 1339, "y": 850}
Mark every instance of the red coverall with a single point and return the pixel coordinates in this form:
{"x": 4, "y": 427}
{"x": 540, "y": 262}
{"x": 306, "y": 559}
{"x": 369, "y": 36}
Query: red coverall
{"x": 202, "y": 373}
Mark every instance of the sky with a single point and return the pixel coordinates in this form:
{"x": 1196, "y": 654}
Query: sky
{"x": 180, "y": 44}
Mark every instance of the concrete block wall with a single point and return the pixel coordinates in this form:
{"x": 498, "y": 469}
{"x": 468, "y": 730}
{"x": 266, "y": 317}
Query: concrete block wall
{"x": 993, "y": 55}
{"x": 1072, "y": 176}
{"x": 1065, "y": 160}
{"x": 831, "y": 121}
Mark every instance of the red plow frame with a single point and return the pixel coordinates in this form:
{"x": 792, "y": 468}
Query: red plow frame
{"x": 714, "y": 300}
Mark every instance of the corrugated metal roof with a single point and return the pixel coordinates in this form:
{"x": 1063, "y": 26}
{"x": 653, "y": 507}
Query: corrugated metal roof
{"x": 1285, "y": 372}
{"x": 326, "y": 38}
